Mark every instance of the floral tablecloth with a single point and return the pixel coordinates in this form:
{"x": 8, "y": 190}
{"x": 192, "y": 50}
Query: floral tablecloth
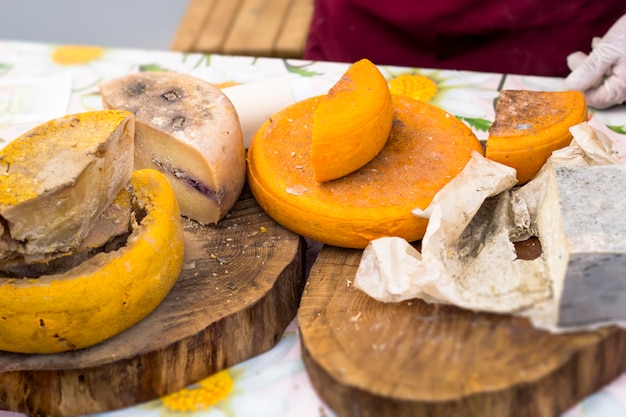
{"x": 43, "y": 81}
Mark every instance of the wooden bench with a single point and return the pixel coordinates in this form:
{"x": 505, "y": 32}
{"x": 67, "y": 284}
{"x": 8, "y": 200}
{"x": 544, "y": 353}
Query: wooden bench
{"x": 275, "y": 28}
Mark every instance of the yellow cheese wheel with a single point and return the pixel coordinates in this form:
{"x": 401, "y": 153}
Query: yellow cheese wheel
{"x": 426, "y": 148}
{"x": 106, "y": 294}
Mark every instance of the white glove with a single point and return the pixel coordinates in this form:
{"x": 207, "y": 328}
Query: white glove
{"x": 601, "y": 76}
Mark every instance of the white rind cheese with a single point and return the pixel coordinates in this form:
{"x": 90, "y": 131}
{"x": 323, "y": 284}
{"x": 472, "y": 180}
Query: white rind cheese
{"x": 583, "y": 235}
{"x": 189, "y": 130}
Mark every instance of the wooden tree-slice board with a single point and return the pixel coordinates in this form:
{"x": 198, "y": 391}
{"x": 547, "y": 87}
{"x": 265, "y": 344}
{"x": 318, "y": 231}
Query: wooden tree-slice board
{"x": 239, "y": 289}
{"x": 415, "y": 359}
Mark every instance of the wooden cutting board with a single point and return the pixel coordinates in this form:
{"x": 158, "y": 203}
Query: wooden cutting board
{"x": 239, "y": 289}
{"x": 367, "y": 358}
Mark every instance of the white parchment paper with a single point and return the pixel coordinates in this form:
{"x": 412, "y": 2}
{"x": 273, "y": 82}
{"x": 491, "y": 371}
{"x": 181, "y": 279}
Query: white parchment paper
{"x": 467, "y": 256}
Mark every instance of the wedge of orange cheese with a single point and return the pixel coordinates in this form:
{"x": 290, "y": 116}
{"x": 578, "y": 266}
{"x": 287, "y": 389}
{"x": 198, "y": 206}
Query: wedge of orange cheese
{"x": 352, "y": 122}
{"x": 426, "y": 148}
{"x": 530, "y": 125}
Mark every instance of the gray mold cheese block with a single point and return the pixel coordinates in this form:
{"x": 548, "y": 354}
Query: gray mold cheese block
{"x": 582, "y": 227}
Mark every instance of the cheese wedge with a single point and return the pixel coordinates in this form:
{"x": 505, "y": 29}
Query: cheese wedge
{"x": 426, "y": 148}
{"x": 190, "y": 131}
{"x": 583, "y": 237}
{"x": 59, "y": 177}
{"x": 352, "y": 123}
{"x": 530, "y": 125}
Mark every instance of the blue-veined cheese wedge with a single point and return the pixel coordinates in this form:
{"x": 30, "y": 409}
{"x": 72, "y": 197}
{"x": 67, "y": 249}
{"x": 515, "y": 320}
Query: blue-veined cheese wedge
{"x": 190, "y": 131}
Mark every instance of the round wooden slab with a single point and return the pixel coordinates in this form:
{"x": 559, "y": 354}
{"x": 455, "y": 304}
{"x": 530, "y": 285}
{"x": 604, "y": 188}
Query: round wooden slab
{"x": 239, "y": 289}
{"x": 369, "y": 358}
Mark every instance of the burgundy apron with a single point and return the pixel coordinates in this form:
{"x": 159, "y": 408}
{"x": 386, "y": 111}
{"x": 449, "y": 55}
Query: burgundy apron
{"x": 517, "y": 37}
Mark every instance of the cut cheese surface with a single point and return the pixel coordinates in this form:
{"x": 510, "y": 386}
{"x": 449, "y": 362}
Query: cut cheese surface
{"x": 108, "y": 233}
{"x": 583, "y": 237}
{"x": 427, "y": 147}
{"x": 190, "y": 131}
{"x": 530, "y": 125}
{"x": 59, "y": 177}
{"x": 115, "y": 220}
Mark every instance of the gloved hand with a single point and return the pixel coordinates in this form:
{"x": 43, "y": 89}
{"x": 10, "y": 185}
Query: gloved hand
{"x": 601, "y": 76}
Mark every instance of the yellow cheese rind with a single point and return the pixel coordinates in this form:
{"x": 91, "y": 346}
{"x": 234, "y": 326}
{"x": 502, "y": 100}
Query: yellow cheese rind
{"x": 189, "y": 130}
{"x": 59, "y": 177}
{"x": 106, "y": 294}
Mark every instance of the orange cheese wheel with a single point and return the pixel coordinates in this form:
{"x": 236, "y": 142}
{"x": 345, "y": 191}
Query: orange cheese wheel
{"x": 427, "y": 147}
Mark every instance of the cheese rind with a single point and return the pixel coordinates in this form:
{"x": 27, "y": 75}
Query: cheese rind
{"x": 107, "y": 293}
{"x": 352, "y": 122}
{"x": 190, "y": 131}
{"x": 530, "y": 125}
{"x": 584, "y": 241}
{"x": 59, "y": 177}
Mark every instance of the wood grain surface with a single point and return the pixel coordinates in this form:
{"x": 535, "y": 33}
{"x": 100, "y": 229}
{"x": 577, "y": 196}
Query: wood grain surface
{"x": 369, "y": 358}
{"x": 239, "y": 289}
{"x": 250, "y": 27}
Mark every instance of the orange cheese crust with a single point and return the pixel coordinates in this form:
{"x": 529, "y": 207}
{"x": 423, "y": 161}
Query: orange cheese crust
{"x": 530, "y": 125}
{"x": 352, "y": 122}
{"x": 427, "y": 147}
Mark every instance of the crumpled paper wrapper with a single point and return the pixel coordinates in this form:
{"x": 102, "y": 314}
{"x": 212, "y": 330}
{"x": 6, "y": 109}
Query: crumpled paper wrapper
{"x": 472, "y": 223}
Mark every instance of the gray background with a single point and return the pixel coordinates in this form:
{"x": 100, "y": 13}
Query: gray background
{"x": 144, "y": 24}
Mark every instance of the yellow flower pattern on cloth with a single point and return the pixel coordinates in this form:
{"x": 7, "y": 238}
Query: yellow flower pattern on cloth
{"x": 226, "y": 84}
{"x": 209, "y": 392}
{"x": 67, "y": 55}
{"x": 453, "y": 91}
{"x": 415, "y": 86}
{"x": 249, "y": 389}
